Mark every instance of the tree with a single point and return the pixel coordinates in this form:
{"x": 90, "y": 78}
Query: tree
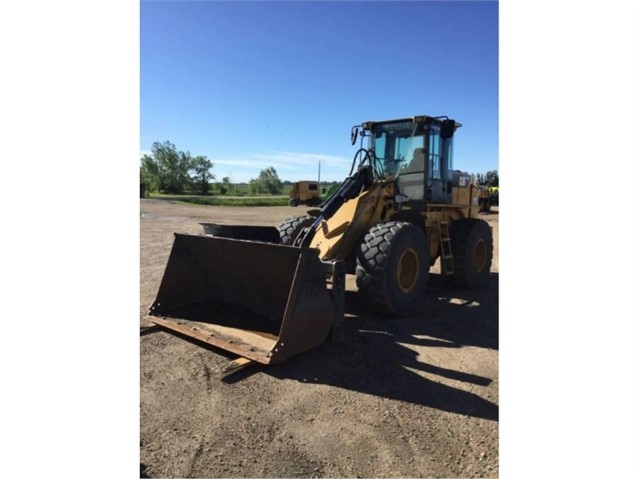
{"x": 331, "y": 189}
{"x": 171, "y": 171}
{"x": 166, "y": 169}
{"x": 492, "y": 178}
{"x": 267, "y": 182}
{"x": 201, "y": 166}
{"x": 225, "y": 186}
{"x": 149, "y": 174}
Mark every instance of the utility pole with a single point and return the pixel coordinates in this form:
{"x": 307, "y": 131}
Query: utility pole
{"x": 319, "y": 169}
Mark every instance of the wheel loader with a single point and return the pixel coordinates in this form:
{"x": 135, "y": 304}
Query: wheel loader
{"x": 305, "y": 193}
{"x": 267, "y": 293}
{"x": 485, "y": 200}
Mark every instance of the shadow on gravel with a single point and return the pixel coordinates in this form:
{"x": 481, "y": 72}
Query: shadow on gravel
{"x": 143, "y": 473}
{"x": 373, "y": 357}
{"x": 467, "y": 317}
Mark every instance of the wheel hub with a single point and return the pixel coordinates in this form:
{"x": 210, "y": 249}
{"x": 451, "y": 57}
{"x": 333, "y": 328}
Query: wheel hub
{"x": 479, "y": 255}
{"x": 408, "y": 270}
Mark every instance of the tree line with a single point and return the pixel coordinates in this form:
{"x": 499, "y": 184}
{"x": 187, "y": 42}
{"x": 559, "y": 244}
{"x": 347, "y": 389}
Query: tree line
{"x": 169, "y": 170}
{"x": 490, "y": 178}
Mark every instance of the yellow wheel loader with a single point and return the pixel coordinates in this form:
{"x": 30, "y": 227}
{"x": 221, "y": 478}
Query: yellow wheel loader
{"x": 267, "y": 293}
{"x": 305, "y": 193}
{"x": 493, "y": 192}
{"x": 485, "y": 202}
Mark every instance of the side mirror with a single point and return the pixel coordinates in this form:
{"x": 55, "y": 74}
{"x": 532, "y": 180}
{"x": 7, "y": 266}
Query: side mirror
{"x": 447, "y": 129}
{"x": 354, "y": 133}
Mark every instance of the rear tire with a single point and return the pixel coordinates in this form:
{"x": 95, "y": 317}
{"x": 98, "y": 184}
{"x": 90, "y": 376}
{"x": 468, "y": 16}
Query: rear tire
{"x": 472, "y": 246}
{"x": 293, "y": 202}
{"x": 392, "y": 268}
{"x": 291, "y": 227}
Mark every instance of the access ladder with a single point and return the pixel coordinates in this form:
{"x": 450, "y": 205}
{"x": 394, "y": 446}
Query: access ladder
{"x": 447, "y": 260}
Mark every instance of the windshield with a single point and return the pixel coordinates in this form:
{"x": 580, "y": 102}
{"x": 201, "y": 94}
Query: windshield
{"x": 395, "y": 144}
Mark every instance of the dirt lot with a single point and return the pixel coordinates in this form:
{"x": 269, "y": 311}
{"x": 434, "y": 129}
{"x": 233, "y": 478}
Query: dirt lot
{"x": 410, "y": 397}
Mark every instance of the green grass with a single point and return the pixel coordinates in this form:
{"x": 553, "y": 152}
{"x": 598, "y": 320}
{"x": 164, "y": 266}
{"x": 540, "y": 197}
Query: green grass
{"x": 223, "y": 200}
{"x": 238, "y": 195}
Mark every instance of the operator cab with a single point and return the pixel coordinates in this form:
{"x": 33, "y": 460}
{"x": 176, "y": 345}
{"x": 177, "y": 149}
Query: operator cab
{"x": 418, "y": 152}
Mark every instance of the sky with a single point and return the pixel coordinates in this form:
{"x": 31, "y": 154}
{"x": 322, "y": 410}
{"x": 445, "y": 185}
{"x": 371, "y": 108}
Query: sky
{"x": 257, "y": 84}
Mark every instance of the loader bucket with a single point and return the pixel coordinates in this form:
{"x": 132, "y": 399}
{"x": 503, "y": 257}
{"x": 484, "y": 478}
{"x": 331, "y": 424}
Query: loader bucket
{"x": 253, "y": 233}
{"x": 259, "y": 300}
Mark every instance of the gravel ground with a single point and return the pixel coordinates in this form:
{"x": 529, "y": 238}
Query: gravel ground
{"x": 410, "y": 397}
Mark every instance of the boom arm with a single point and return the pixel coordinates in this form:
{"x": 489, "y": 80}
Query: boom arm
{"x": 349, "y": 189}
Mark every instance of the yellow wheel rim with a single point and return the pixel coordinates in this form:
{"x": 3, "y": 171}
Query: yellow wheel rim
{"x": 408, "y": 270}
{"x": 479, "y": 255}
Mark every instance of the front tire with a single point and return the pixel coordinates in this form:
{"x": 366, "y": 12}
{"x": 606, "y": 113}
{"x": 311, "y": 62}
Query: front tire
{"x": 472, "y": 248}
{"x": 291, "y": 227}
{"x": 392, "y": 268}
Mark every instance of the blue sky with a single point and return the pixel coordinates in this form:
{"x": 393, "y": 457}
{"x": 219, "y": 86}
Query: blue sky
{"x": 258, "y": 84}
